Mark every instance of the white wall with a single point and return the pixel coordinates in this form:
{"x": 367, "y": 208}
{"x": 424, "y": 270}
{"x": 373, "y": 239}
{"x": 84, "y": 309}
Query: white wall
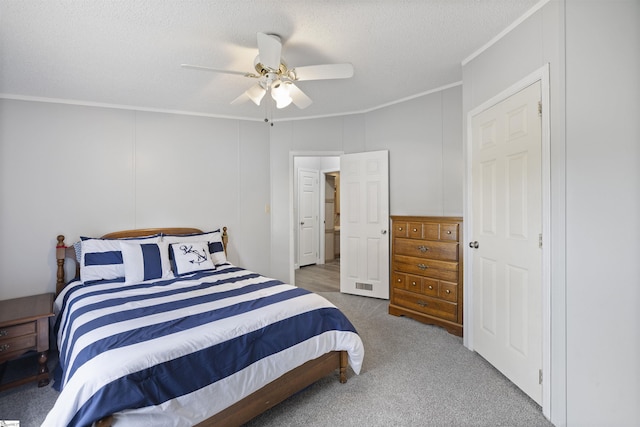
{"x": 424, "y": 139}
{"x": 77, "y": 170}
{"x": 603, "y": 212}
{"x": 592, "y": 47}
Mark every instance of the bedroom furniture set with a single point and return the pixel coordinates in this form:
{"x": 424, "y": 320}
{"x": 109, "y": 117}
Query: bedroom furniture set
{"x": 160, "y": 329}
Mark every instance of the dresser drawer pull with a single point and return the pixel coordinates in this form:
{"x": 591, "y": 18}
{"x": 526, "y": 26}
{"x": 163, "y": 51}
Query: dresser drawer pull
{"x": 422, "y": 266}
{"x": 399, "y": 228}
{"x": 449, "y": 232}
{"x": 415, "y": 230}
{"x": 430, "y": 287}
{"x": 3, "y": 332}
{"x": 399, "y": 280}
{"x": 4, "y": 347}
{"x": 423, "y": 248}
{"x": 448, "y": 291}
{"x": 422, "y": 303}
{"x": 413, "y": 283}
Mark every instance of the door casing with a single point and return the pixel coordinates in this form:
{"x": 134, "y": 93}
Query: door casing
{"x": 292, "y": 216}
{"x": 542, "y": 75}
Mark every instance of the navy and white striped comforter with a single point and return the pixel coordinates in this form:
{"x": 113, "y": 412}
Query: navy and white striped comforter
{"x": 175, "y": 352}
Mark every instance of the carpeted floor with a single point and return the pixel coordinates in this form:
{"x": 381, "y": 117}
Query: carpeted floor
{"x": 413, "y": 375}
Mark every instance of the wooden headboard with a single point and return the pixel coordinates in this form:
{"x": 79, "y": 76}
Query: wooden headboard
{"x": 63, "y": 251}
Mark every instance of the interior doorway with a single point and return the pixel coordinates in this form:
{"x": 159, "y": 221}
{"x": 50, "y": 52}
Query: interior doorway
{"x": 332, "y": 217}
{"x": 327, "y": 166}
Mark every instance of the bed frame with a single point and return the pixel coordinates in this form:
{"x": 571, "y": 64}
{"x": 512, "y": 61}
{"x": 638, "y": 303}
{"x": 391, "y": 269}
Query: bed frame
{"x": 254, "y": 404}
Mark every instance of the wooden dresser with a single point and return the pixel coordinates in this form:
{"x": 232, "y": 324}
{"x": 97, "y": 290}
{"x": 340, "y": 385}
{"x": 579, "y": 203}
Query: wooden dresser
{"x": 426, "y": 270}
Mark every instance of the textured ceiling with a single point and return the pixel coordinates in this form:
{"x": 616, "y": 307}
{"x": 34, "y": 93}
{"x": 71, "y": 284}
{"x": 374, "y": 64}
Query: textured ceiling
{"x": 128, "y": 53}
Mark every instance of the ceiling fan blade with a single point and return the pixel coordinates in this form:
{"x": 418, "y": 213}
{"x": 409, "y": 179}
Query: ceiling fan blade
{"x": 323, "y": 72}
{"x": 269, "y": 50}
{"x": 255, "y": 93}
{"x": 300, "y": 99}
{"x": 216, "y": 70}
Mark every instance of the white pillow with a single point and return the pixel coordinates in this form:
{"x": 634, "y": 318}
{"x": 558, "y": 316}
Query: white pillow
{"x": 213, "y": 238}
{"x": 189, "y": 257}
{"x": 145, "y": 261}
{"x": 101, "y": 259}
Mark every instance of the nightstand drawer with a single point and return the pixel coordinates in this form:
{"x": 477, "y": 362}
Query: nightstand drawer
{"x": 16, "y": 346}
{"x": 17, "y": 330}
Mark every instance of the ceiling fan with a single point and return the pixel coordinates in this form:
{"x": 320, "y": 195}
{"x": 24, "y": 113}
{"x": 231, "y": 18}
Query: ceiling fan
{"x": 274, "y": 75}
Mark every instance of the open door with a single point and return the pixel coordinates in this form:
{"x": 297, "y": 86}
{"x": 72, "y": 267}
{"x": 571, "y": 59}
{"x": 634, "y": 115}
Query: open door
{"x": 364, "y": 224}
{"x": 308, "y": 205}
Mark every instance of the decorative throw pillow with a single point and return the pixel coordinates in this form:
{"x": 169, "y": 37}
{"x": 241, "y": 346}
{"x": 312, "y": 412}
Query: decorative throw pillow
{"x": 145, "y": 261}
{"x": 188, "y": 257}
{"x": 213, "y": 239}
{"x": 101, "y": 259}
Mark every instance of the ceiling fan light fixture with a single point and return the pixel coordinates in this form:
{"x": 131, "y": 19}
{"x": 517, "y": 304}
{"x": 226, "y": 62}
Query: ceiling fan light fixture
{"x": 280, "y": 94}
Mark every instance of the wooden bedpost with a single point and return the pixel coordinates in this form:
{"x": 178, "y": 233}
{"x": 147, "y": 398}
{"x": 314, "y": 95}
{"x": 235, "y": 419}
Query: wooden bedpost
{"x": 344, "y": 362}
{"x": 225, "y": 239}
{"x": 61, "y": 250}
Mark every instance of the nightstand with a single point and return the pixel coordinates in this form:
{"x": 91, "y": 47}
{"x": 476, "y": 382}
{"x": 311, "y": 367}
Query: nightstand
{"x": 24, "y": 326}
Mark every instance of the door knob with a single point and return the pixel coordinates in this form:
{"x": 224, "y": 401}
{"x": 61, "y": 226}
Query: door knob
{"x": 383, "y": 231}
{"x": 474, "y": 244}
{"x": 301, "y": 222}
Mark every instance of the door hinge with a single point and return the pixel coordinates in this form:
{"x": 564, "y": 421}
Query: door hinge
{"x": 539, "y": 376}
{"x": 540, "y": 240}
{"x": 539, "y": 108}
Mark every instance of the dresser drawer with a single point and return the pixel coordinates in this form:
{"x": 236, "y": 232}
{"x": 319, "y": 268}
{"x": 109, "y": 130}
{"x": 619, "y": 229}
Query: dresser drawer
{"x": 400, "y": 229}
{"x": 428, "y": 305}
{"x": 17, "y": 330}
{"x": 449, "y": 232}
{"x": 430, "y": 287}
{"x": 426, "y": 267}
{"x": 426, "y": 249}
{"x": 399, "y": 280}
{"x": 448, "y": 291}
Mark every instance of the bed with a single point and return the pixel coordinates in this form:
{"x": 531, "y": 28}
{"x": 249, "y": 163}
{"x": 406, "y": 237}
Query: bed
{"x": 184, "y": 337}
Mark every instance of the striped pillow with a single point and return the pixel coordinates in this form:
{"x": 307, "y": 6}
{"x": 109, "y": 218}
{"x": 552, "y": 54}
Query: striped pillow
{"x": 101, "y": 259}
{"x": 145, "y": 261}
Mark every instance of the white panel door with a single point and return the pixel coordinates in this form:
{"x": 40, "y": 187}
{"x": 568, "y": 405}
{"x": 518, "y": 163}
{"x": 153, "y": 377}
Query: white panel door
{"x": 364, "y": 224}
{"x": 308, "y": 209}
{"x": 506, "y": 226}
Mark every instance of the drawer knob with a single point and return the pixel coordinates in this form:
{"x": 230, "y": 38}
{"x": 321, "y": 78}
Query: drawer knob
{"x": 422, "y": 303}
{"x": 422, "y": 266}
{"x": 399, "y": 280}
{"x": 448, "y": 291}
{"x": 399, "y": 228}
{"x": 430, "y": 287}
{"x": 413, "y": 283}
{"x": 422, "y": 248}
{"x": 3, "y": 332}
{"x": 415, "y": 230}
{"x": 4, "y": 347}
{"x": 449, "y": 232}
